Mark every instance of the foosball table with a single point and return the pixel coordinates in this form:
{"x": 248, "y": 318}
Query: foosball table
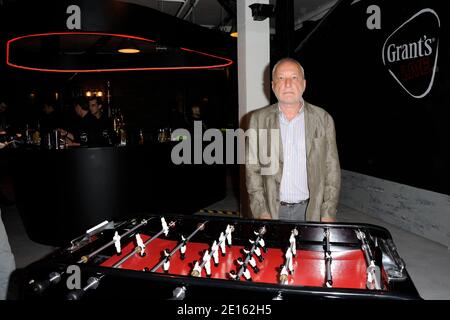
{"x": 221, "y": 258}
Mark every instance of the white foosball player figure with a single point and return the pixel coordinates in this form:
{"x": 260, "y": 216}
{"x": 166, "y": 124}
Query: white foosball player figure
{"x": 252, "y": 263}
{"x": 141, "y": 245}
{"x": 207, "y": 265}
{"x": 262, "y": 244}
{"x": 215, "y": 253}
{"x": 183, "y": 248}
{"x": 222, "y": 244}
{"x": 165, "y": 227}
{"x": 284, "y": 275}
{"x": 257, "y": 251}
{"x": 197, "y": 271}
{"x": 288, "y": 256}
{"x": 293, "y": 243}
{"x": 166, "y": 264}
{"x": 247, "y": 274}
{"x": 228, "y": 232}
{"x": 116, "y": 240}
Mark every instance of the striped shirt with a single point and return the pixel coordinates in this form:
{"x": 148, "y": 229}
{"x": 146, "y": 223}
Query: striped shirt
{"x": 294, "y": 182}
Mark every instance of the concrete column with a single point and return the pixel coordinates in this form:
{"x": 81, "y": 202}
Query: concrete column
{"x": 253, "y": 59}
{"x": 253, "y": 74}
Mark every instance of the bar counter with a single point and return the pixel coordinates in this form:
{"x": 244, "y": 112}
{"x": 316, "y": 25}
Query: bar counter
{"x": 62, "y": 193}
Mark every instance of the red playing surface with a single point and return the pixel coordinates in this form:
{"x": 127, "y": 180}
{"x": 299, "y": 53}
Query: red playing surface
{"x": 348, "y": 268}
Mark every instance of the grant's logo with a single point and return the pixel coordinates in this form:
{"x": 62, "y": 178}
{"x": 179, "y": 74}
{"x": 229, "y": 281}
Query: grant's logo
{"x": 410, "y": 53}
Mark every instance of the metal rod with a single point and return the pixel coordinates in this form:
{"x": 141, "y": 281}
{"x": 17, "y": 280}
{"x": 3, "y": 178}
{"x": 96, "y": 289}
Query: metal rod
{"x": 85, "y": 259}
{"x": 160, "y": 263}
{"x": 284, "y": 277}
{"x": 372, "y": 271}
{"x": 137, "y": 249}
{"x": 216, "y": 249}
{"x": 261, "y": 232}
{"x": 93, "y": 282}
{"x": 328, "y": 259}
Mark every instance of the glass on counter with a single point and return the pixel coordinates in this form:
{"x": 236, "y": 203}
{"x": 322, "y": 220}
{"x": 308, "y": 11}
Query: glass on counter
{"x": 123, "y": 136}
{"x": 164, "y": 134}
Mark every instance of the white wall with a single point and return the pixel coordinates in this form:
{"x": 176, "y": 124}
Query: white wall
{"x": 419, "y": 211}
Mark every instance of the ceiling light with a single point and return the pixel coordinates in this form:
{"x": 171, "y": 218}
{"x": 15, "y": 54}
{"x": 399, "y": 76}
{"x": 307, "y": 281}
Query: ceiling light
{"x": 128, "y": 46}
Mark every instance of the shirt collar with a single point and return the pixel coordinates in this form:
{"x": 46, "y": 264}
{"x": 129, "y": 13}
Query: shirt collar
{"x": 283, "y": 117}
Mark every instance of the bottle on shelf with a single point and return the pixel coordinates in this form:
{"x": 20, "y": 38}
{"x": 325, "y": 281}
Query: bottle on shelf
{"x": 36, "y": 137}
{"x": 27, "y": 134}
{"x": 108, "y": 100}
{"x": 119, "y": 127}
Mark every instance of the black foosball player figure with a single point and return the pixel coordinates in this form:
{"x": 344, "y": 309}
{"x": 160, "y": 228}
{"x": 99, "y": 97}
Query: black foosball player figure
{"x": 233, "y": 275}
{"x": 247, "y": 274}
{"x": 257, "y": 251}
{"x": 258, "y": 254}
{"x": 252, "y": 263}
{"x": 262, "y": 244}
{"x": 251, "y": 260}
{"x": 246, "y": 251}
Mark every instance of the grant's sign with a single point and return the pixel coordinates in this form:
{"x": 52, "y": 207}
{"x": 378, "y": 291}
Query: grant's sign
{"x": 410, "y": 53}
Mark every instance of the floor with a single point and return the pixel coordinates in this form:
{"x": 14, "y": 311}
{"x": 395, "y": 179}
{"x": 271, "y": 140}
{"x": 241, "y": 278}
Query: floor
{"x": 427, "y": 262}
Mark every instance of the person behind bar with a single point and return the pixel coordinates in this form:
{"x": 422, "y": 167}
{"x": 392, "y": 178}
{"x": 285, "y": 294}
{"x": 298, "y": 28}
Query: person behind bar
{"x": 50, "y": 119}
{"x": 307, "y": 183}
{"x": 104, "y": 123}
{"x": 87, "y": 131}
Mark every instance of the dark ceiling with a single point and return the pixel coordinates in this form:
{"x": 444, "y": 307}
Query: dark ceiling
{"x": 218, "y": 14}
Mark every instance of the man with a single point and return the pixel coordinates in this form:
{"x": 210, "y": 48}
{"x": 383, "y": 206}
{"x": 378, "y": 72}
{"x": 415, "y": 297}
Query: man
{"x": 50, "y": 118}
{"x": 87, "y": 131}
{"x": 307, "y": 183}
{"x": 95, "y": 107}
{"x": 104, "y": 123}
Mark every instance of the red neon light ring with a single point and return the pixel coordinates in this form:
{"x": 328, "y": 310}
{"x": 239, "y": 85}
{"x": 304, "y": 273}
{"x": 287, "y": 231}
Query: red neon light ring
{"x": 227, "y": 61}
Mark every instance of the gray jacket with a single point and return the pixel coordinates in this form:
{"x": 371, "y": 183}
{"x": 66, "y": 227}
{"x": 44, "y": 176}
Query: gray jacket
{"x": 323, "y": 169}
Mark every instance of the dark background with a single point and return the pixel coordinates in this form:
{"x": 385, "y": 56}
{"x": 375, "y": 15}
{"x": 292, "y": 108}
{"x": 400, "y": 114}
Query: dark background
{"x": 381, "y": 130}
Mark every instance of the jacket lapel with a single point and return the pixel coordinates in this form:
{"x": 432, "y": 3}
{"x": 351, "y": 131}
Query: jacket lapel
{"x": 309, "y": 129}
{"x": 273, "y": 122}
